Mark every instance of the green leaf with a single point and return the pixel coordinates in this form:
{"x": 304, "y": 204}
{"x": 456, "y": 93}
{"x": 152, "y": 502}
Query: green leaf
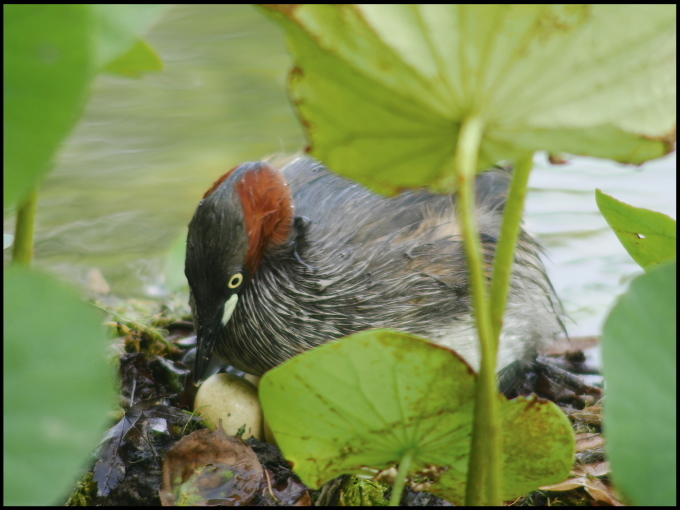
{"x": 51, "y": 53}
{"x": 639, "y": 348}
{"x": 364, "y": 401}
{"x": 47, "y": 68}
{"x": 647, "y": 236}
{"x": 537, "y": 443}
{"x": 58, "y": 387}
{"x": 118, "y": 27}
{"x": 382, "y": 89}
{"x": 141, "y": 58}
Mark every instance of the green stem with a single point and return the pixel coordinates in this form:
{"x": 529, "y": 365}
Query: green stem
{"x": 22, "y": 251}
{"x": 400, "y": 481}
{"x": 505, "y": 248}
{"x": 484, "y": 467}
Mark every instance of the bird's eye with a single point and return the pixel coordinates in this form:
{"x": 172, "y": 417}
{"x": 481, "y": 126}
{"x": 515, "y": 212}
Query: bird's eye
{"x": 235, "y": 281}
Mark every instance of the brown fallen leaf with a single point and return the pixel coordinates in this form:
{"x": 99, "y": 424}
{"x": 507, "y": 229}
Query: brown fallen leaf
{"x": 588, "y": 475}
{"x": 600, "y": 491}
{"x": 595, "y": 469}
{"x": 209, "y": 467}
{"x": 589, "y": 441}
{"x": 288, "y": 491}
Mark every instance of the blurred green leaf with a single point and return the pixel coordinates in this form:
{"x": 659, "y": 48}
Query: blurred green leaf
{"x": 649, "y": 237}
{"x": 141, "y": 58}
{"x": 51, "y": 53}
{"x": 118, "y": 27}
{"x": 382, "y": 89}
{"x": 47, "y": 68}
{"x": 365, "y": 400}
{"x": 639, "y": 348}
{"x": 58, "y": 387}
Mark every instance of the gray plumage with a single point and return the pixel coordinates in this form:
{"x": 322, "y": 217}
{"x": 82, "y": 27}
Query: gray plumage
{"x": 356, "y": 260}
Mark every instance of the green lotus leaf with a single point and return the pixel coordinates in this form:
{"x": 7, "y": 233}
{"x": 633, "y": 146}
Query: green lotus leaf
{"x": 537, "y": 443}
{"x": 382, "y": 90}
{"x": 639, "y": 351}
{"x": 359, "y": 404}
{"x": 649, "y": 237}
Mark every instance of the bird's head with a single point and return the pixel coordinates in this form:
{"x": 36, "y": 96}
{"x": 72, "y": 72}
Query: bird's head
{"x": 246, "y": 212}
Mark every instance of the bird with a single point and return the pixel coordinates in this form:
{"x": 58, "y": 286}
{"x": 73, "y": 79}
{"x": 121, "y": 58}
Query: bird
{"x": 281, "y": 261}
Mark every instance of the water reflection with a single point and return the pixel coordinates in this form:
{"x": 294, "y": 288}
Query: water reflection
{"x": 587, "y": 264}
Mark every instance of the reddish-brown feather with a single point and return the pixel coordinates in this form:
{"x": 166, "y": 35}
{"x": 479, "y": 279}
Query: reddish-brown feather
{"x": 267, "y": 211}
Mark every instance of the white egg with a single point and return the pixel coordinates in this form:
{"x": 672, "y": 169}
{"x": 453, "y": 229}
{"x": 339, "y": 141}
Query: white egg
{"x": 233, "y": 400}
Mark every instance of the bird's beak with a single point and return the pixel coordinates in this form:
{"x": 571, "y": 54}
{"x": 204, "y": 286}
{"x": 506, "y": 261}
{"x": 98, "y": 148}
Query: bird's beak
{"x": 208, "y": 336}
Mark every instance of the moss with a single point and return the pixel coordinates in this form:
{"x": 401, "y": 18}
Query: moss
{"x": 361, "y": 492}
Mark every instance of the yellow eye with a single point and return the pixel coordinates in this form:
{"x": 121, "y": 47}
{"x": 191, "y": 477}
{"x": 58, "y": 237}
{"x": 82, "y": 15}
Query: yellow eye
{"x": 235, "y": 281}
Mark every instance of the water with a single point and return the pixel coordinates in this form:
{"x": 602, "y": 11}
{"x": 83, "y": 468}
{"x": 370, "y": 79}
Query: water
{"x": 587, "y": 265}
{"x": 127, "y": 181}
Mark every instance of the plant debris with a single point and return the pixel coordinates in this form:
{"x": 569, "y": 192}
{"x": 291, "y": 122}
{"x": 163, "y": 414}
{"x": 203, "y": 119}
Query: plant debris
{"x": 147, "y": 458}
{"x": 209, "y": 467}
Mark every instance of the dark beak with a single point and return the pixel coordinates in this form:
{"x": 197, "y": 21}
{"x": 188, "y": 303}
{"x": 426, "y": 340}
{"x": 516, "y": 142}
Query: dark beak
{"x": 208, "y": 336}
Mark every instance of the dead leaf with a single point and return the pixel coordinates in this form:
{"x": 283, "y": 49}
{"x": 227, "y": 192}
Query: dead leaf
{"x": 109, "y": 470}
{"x": 209, "y": 467}
{"x": 589, "y": 441}
{"x": 593, "y": 469}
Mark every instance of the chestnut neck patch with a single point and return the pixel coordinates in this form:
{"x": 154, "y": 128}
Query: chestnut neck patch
{"x": 267, "y": 211}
